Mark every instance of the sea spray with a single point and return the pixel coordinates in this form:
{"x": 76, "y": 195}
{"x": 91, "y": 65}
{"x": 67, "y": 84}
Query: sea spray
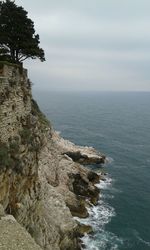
{"x": 99, "y": 216}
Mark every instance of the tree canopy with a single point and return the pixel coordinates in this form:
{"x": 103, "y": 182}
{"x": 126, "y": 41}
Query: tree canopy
{"x": 18, "y": 40}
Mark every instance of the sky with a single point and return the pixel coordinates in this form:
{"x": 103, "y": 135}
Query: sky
{"x": 91, "y": 45}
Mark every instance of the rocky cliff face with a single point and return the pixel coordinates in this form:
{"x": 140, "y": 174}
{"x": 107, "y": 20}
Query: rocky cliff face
{"x": 42, "y": 182}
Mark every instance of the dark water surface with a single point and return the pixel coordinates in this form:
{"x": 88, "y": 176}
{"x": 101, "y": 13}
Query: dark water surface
{"x": 118, "y": 124}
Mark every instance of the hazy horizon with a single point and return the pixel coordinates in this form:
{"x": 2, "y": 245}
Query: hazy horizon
{"x": 91, "y": 45}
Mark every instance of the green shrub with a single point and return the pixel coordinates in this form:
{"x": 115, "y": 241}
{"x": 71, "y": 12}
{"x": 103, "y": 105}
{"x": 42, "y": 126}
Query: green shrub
{"x": 14, "y": 147}
{"x": 29, "y": 138}
{"x": 25, "y": 136}
{"x": 18, "y": 166}
{"x": 5, "y": 159}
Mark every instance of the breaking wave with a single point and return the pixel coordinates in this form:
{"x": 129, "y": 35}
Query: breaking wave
{"x": 99, "y": 216}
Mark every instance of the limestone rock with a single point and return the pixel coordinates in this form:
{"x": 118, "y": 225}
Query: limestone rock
{"x": 42, "y": 182}
{"x": 15, "y": 237}
{"x": 84, "y": 155}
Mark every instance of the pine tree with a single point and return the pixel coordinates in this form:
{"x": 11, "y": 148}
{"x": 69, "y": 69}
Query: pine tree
{"x": 18, "y": 40}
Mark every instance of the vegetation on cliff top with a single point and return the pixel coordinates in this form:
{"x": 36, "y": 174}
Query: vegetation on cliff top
{"x": 18, "y": 40}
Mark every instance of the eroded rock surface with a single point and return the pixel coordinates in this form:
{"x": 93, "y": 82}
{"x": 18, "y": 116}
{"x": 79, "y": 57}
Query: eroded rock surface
{"x": 84, "y": 155}
{"x": 42, "y": 182}
{"x": 13, "y": 235}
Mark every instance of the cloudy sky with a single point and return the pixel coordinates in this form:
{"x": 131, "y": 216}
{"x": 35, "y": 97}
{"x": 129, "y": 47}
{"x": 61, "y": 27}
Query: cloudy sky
{"x": 91, "y": 44}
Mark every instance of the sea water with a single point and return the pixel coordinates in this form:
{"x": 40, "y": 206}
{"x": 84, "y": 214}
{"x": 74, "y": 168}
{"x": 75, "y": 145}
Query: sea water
{"x": 117, "y": 124}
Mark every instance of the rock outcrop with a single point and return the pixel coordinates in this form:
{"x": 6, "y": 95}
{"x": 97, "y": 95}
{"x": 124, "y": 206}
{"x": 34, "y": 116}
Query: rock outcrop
{"x": 13, "y": 235}
{"x": 83, "y": 155}
{"x": 42, "y": 182}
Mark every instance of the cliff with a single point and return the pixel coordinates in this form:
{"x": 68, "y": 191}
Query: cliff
{"x": 42, "y": 182}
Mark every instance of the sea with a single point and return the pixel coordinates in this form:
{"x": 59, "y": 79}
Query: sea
{"x": 118, "y": 125}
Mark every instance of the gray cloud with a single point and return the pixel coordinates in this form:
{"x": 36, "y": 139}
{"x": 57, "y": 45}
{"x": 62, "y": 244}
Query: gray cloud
{"x": 91, "y": 45}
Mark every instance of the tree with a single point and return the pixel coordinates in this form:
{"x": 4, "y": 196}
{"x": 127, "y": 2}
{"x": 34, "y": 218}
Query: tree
{"x": 18, "y": 40}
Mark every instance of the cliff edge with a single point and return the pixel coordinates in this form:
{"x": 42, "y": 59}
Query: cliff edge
{"x": 42, "y": 182}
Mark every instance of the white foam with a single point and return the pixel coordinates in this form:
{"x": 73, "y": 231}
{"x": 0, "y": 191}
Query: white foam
{"x": 89, "y": 245}
{"x": 102, "y": 214}
{"x": 99, "y": 216}
{"x": 109, "y": 160}
{"x": 106, "y": 196}
{"x": 106, "y": 240}
{"x": 104, "y": 184}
